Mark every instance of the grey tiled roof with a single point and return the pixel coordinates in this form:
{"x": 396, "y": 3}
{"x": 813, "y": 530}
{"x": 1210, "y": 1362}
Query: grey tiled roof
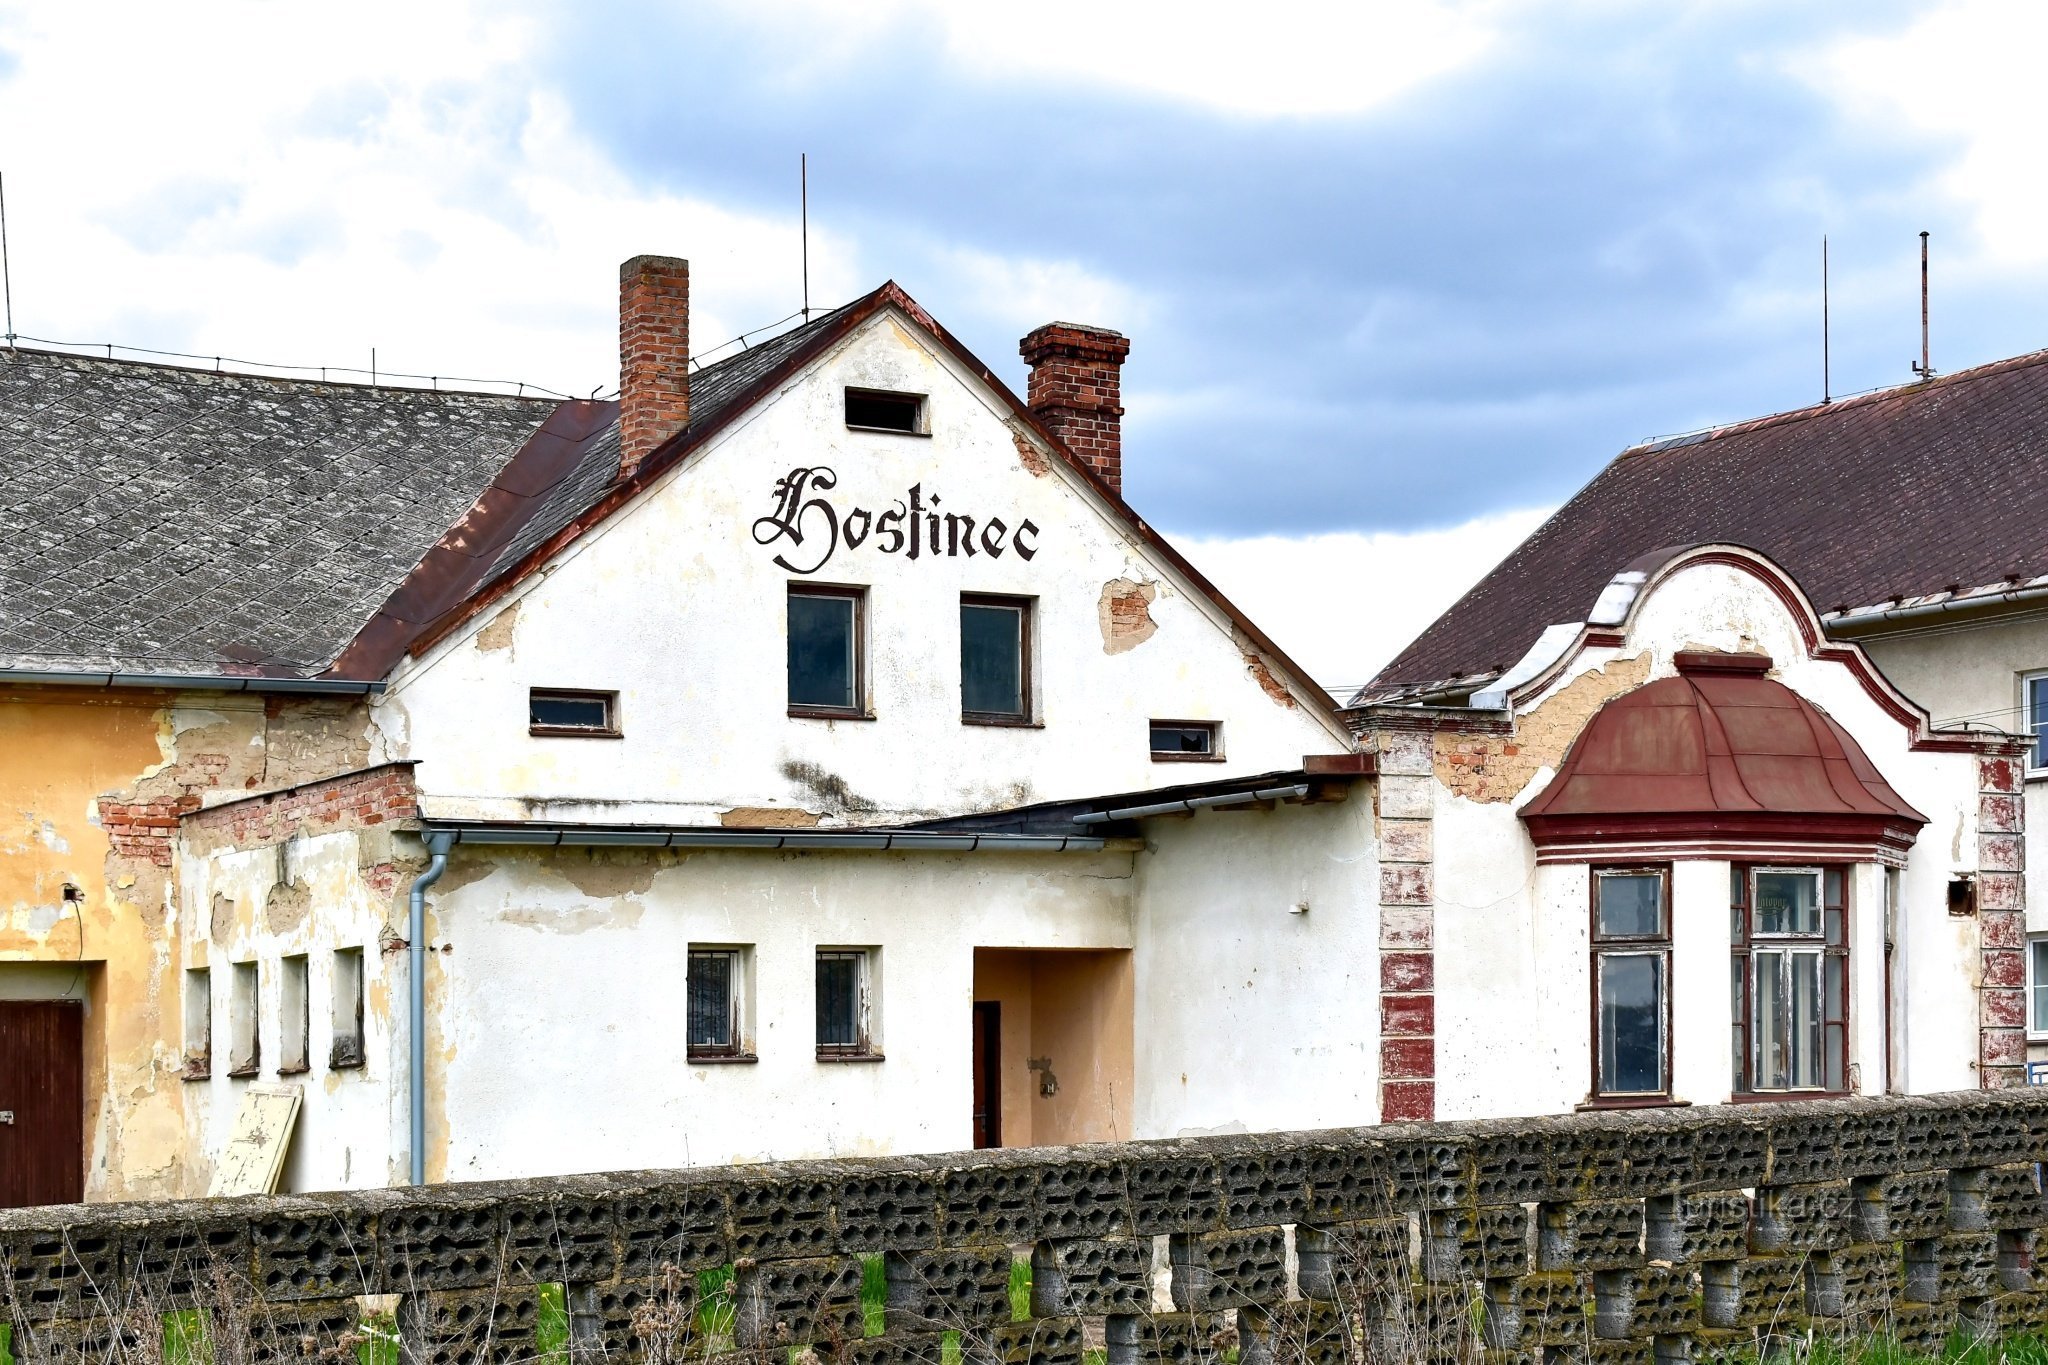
{"x": 165, "y": 520}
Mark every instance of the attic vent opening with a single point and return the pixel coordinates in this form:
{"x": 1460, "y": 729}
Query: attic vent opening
{"x": 874, "y": 410}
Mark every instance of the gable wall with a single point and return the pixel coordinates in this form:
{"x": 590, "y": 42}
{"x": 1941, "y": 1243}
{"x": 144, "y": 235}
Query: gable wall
{"x": 675, "y": 605}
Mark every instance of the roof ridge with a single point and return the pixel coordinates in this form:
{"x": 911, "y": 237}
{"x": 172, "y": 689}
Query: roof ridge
{"x": 1658, "y": 444}
{"x": 347, "y": 385}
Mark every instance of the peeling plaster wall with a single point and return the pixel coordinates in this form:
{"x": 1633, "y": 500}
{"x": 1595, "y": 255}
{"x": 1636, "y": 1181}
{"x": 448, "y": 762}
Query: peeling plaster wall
{"x": 677, "y": 607}
{"x": 556, "y": 1007}
{"x": 90, "y": 782}
{"x": 1971, "y": 675}
{"x": 1251, "y": 1018}
{"x": 1513, "y": 986}
{"x": 310, "y": 895}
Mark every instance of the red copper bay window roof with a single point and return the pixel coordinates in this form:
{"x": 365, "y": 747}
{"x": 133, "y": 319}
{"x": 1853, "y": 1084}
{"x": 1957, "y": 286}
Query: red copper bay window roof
{"x": 1718, "y": 760}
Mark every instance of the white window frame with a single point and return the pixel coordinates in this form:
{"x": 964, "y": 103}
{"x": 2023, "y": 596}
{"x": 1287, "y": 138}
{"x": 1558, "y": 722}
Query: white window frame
{"x": 2037, "y": 986}
{"x": 2028, "y": 681}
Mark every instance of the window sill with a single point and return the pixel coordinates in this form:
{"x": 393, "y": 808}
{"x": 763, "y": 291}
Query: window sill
{"x": 888, "y": 431}
{"x": 197, "y": 1073}
{"x": 1002, "y": 722}
{"x": 571, "y": 732}
{"x": 245, "y": 1073}
{"x": 295, "y": 1070}
{"x": 1597, "y": 1105}
{"x": 1158, "y": 757}
{"x": 837, "y": 1057}
{"x": 827, "y": 713}
{"x": 722, "y": 1059}
{"x": 1783, "y": 1096}
{"x": 347, "y": 1061}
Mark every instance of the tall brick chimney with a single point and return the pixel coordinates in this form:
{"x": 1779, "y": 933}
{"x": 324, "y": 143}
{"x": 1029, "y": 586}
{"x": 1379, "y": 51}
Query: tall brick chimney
{"x": 654, "y": 355}
{"x": 1077, "y": 391}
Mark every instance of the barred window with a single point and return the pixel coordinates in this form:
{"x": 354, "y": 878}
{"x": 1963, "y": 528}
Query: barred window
{"x": 845, "y": 1025}
{"x": 714, "y": 1002}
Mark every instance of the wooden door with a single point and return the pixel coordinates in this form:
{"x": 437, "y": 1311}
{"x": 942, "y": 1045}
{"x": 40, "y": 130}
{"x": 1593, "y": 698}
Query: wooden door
{"x": 42, "y": 1102}
{"x": 988, "y": 1073}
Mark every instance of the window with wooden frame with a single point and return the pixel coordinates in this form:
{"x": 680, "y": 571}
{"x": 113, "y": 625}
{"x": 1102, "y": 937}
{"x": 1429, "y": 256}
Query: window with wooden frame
{"x": 2037, "y": 988}
{"x": 569, "y": 713}
{"x": 294, "y": 1015}
{"x": 1187, "y": 741}
{"x": 1631, "y": 939}
{"x": 1789, "y": 980}
{"x": 846, "y": 1005}
{"x": 198, "y": 1023}
{"x": 827, "y": 648}
{"x": 995, "y": 660}
{"x": 715, "y": 1002}
{"x": 2034, "y": 716}
{"x": 345, "y": 1015}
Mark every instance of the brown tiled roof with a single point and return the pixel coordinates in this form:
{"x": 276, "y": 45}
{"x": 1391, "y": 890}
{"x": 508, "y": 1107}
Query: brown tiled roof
{"x": 1894, "y": 494}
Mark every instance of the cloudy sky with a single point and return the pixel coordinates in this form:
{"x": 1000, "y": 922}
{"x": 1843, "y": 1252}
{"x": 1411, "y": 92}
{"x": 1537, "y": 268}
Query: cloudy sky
{"x": 1399, "y": 276}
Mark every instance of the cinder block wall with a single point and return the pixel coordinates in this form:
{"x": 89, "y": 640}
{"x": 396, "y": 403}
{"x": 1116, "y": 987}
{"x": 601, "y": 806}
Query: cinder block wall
{"x": 1671, "y": 1234}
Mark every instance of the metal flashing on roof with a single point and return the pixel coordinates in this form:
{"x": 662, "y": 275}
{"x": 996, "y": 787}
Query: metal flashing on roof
{"x": 1293, "y": 792}
{"x": 194, "y": 682}
{"x": 892, "y": 840}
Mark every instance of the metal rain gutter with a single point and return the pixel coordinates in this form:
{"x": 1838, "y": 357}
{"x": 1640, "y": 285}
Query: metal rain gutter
{"x": 208, "y": 682}
{"x": 1194, "y": 803}
{"x": 1861, "y": 620}
{"x": 571, "y": 836}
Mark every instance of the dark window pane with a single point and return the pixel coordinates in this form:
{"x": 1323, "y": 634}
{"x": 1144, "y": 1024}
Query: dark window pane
{"x": 839, "y": 1000}
{"x": 710, "y": 1000}
{"x": 1631, "y": 1024}
{"x": 559, "y": 711}
{"x": 991, "y": 660}
{"x": 889, "y": 411}
{"x": 821, "y": 651}
{"x": 1631, "y": 905}
{"x": 1787, "y": 903}
{"x": 2037, "y": 718}
{"x": 1183, "y": 739}
{"x": 1834, "y": 885}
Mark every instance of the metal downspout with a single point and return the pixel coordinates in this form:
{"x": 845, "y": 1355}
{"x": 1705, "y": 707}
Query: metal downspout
{"x": 416, "y": 986}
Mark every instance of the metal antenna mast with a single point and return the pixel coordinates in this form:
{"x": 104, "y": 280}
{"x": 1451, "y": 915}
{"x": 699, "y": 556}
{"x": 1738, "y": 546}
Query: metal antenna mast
{"x": 1826, "y": 384}
{"x": 6, "y": 274}
{"x": 803, "y": 180}
{"x": 1925, "y": 369}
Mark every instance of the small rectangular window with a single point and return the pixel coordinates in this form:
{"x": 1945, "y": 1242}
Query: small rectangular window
{"x": 714, "y": 1001}
{"x": 347, "y": 1048}
{"x": 198, "y": 1023}
{"x": 995, "y": 659}
{"x": 1178, "y": 741}
{"x": 875, "y": 410}
{"x": 2035, "y": 700}
{"x": 1631, "y": 983}
{"x": 845, "y": 1004}
{"x": 558, "y": 711}
{"x": 293, "y": 1017}
{"x": 245, "y": 1050}
{"x": 825, "y": 665}
{"x": 2037, "y": 986}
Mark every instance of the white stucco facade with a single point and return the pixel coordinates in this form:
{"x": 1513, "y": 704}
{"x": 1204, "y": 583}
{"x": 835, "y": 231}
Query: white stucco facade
{"x": 675, "y": 605}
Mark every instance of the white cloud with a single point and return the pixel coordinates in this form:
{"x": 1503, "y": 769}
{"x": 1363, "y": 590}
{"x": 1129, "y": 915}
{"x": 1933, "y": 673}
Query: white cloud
{"x": 1968, "y": 71}
{"x": 1292, "y": 58}
{"x": 1344, "y": 604}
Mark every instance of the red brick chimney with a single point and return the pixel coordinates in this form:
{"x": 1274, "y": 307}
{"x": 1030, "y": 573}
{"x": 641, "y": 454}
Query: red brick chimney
{"x": 1077, "y": 391}
{"x": 654, "y": 355}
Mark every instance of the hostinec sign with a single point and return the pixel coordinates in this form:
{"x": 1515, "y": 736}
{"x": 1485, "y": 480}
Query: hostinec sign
{"x": 915, "y": 528}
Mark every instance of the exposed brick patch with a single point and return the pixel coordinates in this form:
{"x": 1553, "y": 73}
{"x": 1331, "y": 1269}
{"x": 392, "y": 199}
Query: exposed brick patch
{"x": 145, "y": 829}
{"x": 1076, "y": 389}
{"x": 654, "y": 355}
{"x": 2001, "y": 919}
{"x": 381, "y": 795}
{"x": 1124, "y": 612}
{"x": 1030, "y": 456}
{"x": 1498, "y": 767}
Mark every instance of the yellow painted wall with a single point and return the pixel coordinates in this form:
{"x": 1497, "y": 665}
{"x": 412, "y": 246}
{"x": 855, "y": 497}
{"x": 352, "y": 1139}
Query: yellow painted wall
{"x": 1073, "y": 1010}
